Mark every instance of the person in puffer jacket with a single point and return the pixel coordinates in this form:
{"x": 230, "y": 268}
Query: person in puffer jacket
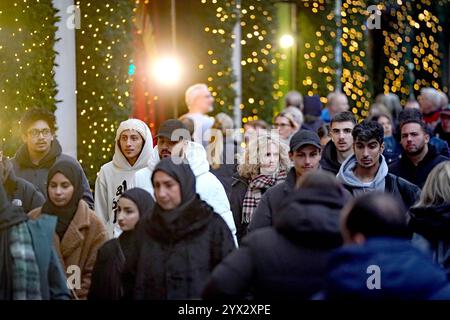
{"x": 286, "y": 261}
{"x": 378, "y": 261}
{"x": 173, "y": 140}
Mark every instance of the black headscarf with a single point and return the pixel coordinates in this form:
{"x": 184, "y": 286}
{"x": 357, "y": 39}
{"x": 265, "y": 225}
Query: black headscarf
{"x": 182, "y": 173}
{"x": 65, "y": 214}
{"x": 143, "y": 200}
{"x": 9, "y": 216}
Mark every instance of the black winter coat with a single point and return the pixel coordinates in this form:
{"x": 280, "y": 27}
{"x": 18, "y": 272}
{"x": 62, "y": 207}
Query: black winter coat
{"x": 417, "y": 175}
{"x": 431, "y": 226}
{"x": 22, "y": 193}
{"x": 37, "y": 174}
{"x": 270, "y": 202}
{"x": 286, "y": 261}
{"x": 239, "y": 188}
{"x": 329, "y": 162}
{"x": 405, "y": 192}
{"x": 176, "y": 259}
{"x": 107, "y": 275}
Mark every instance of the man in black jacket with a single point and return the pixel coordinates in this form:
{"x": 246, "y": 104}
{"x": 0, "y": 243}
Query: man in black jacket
{"x": 340, "y": 147}
{"x": 418, "y": 157}
{"x": 20, "y": 192}
{"x": 41, "y": 150}
{"x": 305, "y": 151}
{"x": 367, "y": 170}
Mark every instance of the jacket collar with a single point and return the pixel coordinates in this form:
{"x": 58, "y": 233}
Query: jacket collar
{"x": 73, "y": 237}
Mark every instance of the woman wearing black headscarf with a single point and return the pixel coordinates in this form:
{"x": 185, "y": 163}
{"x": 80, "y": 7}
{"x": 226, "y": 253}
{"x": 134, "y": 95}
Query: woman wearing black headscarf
{"x": 79, "y": 233}
{"x": 107, "y": 283}
{"x": 182, "y": 240}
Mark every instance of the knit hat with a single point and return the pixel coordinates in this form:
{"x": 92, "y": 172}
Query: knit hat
{"x": 132, "y": 124}
{"x": 312, "y": 105}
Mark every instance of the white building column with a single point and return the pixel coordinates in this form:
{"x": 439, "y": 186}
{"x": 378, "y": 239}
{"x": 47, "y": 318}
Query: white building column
{"x": 65, "y": 76}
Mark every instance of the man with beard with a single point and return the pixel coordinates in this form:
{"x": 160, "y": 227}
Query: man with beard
{"x": 341, "y": 145}
{"x": 367, "y": 170}
{"x": 418, "y": 157}
{"x": 174, "y": 141}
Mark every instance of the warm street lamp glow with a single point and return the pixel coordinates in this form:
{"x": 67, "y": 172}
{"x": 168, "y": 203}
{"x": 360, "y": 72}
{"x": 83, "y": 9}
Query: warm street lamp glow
{"x": 286, "y": 41}
{"x": 166, "y": 71}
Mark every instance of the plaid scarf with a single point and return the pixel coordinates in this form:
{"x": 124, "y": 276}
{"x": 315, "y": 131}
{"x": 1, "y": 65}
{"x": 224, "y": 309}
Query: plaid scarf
{"x": 26, "y": 283}
{"x": 255, "y": 190}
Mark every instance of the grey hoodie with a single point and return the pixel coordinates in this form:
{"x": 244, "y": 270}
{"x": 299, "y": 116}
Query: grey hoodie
{"x": 348, "y": 178}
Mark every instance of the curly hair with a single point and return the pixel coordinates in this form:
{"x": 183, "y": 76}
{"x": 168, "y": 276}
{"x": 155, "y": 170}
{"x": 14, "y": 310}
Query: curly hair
{"x": 250, "y": 164}
{"x": 36, "y": 114}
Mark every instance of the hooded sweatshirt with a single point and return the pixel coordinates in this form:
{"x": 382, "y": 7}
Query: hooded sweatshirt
{"x": 208, "y": 187}
{"x": 347, "y": 176}
{"x": 405, "y": 273}
{"x": 117, "y": 176}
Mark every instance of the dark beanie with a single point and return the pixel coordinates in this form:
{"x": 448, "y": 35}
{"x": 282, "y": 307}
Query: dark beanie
{"x": 312, "y": 106}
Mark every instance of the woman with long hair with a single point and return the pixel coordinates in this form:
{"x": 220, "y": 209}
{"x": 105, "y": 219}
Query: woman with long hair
{"x": 430, "y": 217}
{"x": 265, "y": 163}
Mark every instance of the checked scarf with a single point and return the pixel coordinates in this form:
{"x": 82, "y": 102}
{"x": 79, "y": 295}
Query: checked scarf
{"x": 26, "y": 278}
{"x": 256, "y": 188}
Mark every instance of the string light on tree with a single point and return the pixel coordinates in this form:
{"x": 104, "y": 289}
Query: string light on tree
{"x": 104, "y": 53}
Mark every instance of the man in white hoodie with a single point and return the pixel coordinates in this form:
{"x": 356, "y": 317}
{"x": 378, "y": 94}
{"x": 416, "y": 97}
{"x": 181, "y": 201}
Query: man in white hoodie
{"x": 173, "y": 137}
{"x": 133, "y": 147}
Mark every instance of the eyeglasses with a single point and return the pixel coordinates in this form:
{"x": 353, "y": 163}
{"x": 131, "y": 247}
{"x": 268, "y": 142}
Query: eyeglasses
{"x": 35, "y": 133}
{"x": 276, "y": 125}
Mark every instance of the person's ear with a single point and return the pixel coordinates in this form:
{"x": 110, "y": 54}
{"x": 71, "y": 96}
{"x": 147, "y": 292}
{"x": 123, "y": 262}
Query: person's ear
{"x": 427, "y": 138}
{"x": 382, "y": 148}
{"x": 291, "y": 156}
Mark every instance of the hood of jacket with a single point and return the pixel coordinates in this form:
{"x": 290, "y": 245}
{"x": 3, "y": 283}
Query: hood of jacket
{"x": 23, "y": 157}
{"x": 119, "y": 159}
{"x": 347, "y": 176}
{"x": 431, "y": 222}
{"x": 195, "y": 155}
{"x": 310, "y": 216}
{"x": 329, "y": 160}
{"x": 405, "y": 273}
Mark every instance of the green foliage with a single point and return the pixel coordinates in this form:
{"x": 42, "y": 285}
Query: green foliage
{"x": 27, "y": 58}
{"x": 104, "y": 53}
{"x": 259, "y": 24}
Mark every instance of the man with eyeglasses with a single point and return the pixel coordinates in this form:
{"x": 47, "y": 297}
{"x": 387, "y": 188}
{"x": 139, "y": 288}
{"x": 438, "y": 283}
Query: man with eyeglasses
{"x": 41, "y": 150}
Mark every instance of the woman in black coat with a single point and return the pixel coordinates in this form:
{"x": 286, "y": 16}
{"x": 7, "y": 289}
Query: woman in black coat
{"x": 182, "y": 240}
{"x": 112, "y": 257}
{"x": 286, "y": 261}
{"x": 430, "y": 217}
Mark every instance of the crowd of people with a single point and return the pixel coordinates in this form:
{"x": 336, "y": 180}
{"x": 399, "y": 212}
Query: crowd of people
{"x": 305, "y": 208}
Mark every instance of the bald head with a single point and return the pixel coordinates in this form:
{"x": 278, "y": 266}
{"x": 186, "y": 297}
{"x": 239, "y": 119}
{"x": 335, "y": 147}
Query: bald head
{"x": 337, "y": 102}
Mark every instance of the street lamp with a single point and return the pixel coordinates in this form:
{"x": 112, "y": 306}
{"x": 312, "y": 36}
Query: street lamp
{"x": 286, "y": 41}
{"x": 167, "y": 71}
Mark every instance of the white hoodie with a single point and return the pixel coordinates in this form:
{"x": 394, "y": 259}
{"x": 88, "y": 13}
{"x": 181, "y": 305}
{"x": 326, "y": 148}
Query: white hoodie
{"x": 117, "y": 176}
{"x": 208, "y": 187}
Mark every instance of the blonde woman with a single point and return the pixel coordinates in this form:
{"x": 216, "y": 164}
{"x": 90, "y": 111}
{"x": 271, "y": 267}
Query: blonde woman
{"x": 264, "y": 164}
{"x": 430, "y": 217}
{"x": 286, "y": 125}
{"x": 222, "y": 150}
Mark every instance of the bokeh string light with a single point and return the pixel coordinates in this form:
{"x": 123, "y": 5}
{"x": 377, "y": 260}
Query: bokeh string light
{"x": 27, "y": 57}
{"x": 104, "y": 53}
